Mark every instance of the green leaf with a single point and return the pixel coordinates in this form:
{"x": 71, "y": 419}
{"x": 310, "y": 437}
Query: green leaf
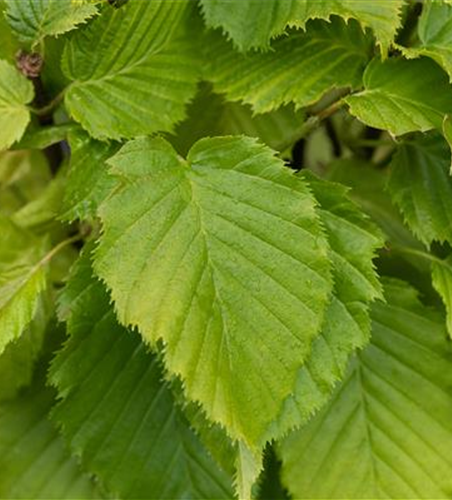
{"x": 33, "y": 459}
{"x": 88, "y": 181}
{"x": 32, "y": 20}
{"x": 117, "y": 413}
{"x": 15, "y": 93}
{"x": 435, "y": 34}
{"x": 403, "y": 96}
{"x": 141, "y": 46}
{"x": 8, "y": 43}
{"x": 252, "y": 24}
{"x": 387, "y": 431}
{"x": 442, "y": 282}
{"x": 301, "y": 68}
{"x": 421, "y": 186}
{"x": 22, "y": 280}
{"x": 353, "y": 239}
{"x": 223, "y": 258}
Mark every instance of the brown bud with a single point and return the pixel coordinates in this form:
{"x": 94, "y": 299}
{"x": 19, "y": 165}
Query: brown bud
{"x": 29, "y": 64}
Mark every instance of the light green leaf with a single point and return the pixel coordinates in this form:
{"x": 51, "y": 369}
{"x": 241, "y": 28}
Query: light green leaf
{"x": 32, "y": 20}
{"x": 88, "y": 182}
{"x": 301, "y": 68}
{"x": 15, "y": 93}
{"x": 22, "y": 280}
{"x": 442, "y": 282}
{"x": 354, "y": 240}
{"x": 252, "y": 23}
{"x": 33, "y": 458}
{"x": 387, "y": 431}
{"x": 142, "y": 45}
{"x": 116, "y": 412}
{"x": 8, "y": 43}
{"x": 223, "y": 258}
{"x": 210, "y": 115}
{"x": 403, "y": 96}
{"x": 435, "y": 34}
{"x": 421, "y": 186}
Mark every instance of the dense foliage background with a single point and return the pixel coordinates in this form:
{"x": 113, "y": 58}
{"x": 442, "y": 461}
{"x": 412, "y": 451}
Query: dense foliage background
{"x": 225, "y": 249}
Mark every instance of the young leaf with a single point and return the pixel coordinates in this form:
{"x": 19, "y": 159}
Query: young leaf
{"x": 223, "y": 258}
{"x": 15, "y": 93}
{"x": 301, "y": 68}
{"x": 387, "y": 431}
{"x": 32, "y": 20}
{"x": 253, "y": 23}
{"x": 116, "y": 411}
{"x": 22, "y": 280}
{"x": 421, "y": 186}
{"x": 403, "y": 96}
{"x": 33, "y": 458}
{"x": 141, "y": 46}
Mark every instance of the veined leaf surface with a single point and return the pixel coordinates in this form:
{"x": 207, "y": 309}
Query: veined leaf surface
{"x": 198, "y": 265}
{"x": 142, "y": 45}
{"x": 396, "y": 98}
{"x": 387, "y": 431}
{"x": 301, "y": 68}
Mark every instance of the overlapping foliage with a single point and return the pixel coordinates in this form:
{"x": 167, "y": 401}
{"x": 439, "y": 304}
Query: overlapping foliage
{"x": 225, "y": 249}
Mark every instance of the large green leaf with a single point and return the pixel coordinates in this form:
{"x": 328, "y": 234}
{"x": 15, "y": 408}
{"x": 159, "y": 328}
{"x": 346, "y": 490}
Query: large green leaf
{"x": 353, "y": 240}
{"x": 116, "y": 411}
{"x": 32, "y": 20}
{"x": 403, "y": 96}
{"x": 223, "y": 258}
{"x": 252, "y": 23}
{"x": 22, "y": 280}
{"x": 88, "y": 182}
{"x": 387, "y": 431}
{"x": 33, "y": 458}
{"x": 421, "y": 186}
{"x": 141, "y": 46}
{"x": 15, "y": 93}
{"x": 300, "y": 68}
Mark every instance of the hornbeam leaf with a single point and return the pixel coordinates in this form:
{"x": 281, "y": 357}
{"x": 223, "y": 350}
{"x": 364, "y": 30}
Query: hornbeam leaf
{"x": 354, "y": 240}
{"x": 301, "y": 68}
{"x": 22, "y": 280}
{"x": 32, "y": 20}
{"x": 435, "y": 34}
{"x": 421, "y": 186}
{"x": 387, "y": 431}
{"x": 117, "y": 413}
{"x": 33, "y": 458}
{"x": 15, "y": 93}
{"x": 222, "y": 257}
{"x": 142, "y": 45}
{"x": 403, "y": 96}
{"x": 253, "y": 23}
